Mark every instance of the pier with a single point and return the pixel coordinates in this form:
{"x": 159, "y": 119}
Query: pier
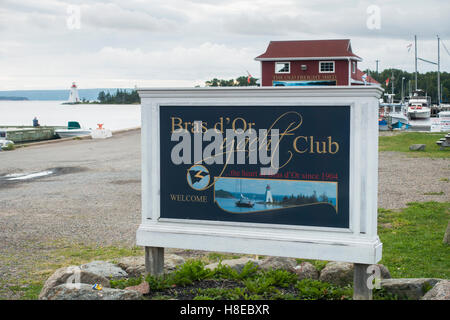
{"x": 22, "y": 134}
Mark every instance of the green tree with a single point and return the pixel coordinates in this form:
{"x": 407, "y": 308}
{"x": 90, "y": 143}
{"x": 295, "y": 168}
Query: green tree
{"x": 120, "y": 97}
{"x": 241, "y": 81}
{"x": 425, "y": 81}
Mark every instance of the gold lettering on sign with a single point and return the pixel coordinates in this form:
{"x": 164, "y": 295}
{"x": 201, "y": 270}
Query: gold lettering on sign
{"x": 280, "y": 77}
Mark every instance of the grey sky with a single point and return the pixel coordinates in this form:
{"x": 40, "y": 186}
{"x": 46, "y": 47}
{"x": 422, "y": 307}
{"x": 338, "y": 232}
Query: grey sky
{"x": 184, "y": 43}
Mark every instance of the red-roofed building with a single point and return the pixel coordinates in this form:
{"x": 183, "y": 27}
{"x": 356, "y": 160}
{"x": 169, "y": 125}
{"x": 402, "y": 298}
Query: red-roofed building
{"x": 311, "y": 62}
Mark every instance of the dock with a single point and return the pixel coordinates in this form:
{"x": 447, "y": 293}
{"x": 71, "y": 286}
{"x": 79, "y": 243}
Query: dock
{"x": 22, "y": 134}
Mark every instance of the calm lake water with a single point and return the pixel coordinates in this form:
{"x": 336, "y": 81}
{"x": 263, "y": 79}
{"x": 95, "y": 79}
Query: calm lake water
{"x": 53, "y": 113}
{"x": 230, "y": 205}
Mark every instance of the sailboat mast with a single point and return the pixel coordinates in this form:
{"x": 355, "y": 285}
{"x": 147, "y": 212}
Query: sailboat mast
{"x": 439, "y": 74}
{"x": 415, "y": 54}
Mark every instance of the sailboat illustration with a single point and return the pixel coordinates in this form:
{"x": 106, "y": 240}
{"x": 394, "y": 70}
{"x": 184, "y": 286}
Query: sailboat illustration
{"x": 244, "y": 201}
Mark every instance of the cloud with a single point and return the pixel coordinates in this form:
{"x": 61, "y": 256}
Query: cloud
{"x": 115, "y": 17}
{"x": 185, "y": 42}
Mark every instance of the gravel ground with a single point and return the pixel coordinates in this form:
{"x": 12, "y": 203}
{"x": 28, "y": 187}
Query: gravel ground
{"x": 94, "y": 197}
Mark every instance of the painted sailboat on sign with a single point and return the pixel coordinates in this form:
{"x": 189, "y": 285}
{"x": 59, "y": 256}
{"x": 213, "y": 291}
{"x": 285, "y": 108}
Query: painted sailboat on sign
{"x": 287, "y": 194}
{"x": 243, "y": 201}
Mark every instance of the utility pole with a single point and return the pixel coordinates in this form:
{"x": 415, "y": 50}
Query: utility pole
{"x": 415, "y": 54}
{"x": 438, "y": 74}
{"x": 403, "y": 96}
{"x": 377, "y": 65}
{"x": 392, "y": 78}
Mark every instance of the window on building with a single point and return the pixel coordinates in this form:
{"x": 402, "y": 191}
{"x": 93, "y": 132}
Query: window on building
{"x": 282, "y": 67}
{"x": 326, "y": 66}
{"x": 353, "y": 67}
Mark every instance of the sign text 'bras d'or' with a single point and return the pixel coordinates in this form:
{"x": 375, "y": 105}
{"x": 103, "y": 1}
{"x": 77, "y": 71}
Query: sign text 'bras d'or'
{"x": 260, "y": 164}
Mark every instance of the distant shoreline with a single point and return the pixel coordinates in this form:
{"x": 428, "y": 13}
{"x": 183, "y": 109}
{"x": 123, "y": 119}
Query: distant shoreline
{"x": 58, "y": 94}
{"x": 13, "y": 98}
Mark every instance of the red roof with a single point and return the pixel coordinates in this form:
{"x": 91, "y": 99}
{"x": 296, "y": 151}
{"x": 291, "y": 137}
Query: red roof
{"x": 358, "y": 77}
{"x": 308, "y": 49}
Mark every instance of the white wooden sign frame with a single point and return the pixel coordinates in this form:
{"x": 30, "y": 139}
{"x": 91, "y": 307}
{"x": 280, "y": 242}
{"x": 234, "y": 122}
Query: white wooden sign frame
{"x": 358, "y": 244}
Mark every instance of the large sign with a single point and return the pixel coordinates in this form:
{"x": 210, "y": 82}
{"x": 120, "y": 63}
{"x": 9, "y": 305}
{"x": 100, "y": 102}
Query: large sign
{"x": 275, "y": 171}
{"x": 214, "y": 158}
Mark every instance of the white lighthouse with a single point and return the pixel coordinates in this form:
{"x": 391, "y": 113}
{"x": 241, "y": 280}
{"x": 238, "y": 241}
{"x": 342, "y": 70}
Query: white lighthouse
{"x": 268, "y": 195}
{"x": 73, "y": 96}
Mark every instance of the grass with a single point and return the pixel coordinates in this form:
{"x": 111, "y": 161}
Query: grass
{"x": 27, "y": 291}
{"x": 440, "y": 193}
{"x": 412, "y": 240}
{"x": 412, "y": 248}
{"x": 59, "y": 254}
{"x": 401, "y": 142}
{"x": 8, "y": 147}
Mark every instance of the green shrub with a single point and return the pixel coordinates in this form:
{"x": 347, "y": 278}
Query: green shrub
{"x": 281, "y": 278}
{"x": 260, "y": 285}
{"x": 250, "y": 270}
{"x": 123, "y": 283}
{"x": 8, "y": 147}
{"x": 224, "y": 272}
{"x": 309, "y": 289}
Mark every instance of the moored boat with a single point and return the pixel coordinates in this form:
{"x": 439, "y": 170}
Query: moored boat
{"x": 73, "y": 130}
{"x": 419, "y": 105}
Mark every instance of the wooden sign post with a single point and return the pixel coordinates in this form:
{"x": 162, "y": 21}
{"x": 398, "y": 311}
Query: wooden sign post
{"x": 288, "y": 171}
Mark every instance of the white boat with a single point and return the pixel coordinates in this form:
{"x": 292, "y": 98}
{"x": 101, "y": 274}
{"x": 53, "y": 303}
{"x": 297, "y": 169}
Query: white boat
{"x": 419, "y": 105}
{"x": 397, "y": 117}
{"x": 393, "y": 113}
{"x": 73, "y": 130}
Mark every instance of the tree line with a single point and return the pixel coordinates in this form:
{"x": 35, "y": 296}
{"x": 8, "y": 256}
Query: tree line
{"x": 123, "y": 96}
{"x": 425, "y": 81}
{"x": 304, "y": 199}
{"x": 120, "y": 97}
{"x": 242, "y": 81}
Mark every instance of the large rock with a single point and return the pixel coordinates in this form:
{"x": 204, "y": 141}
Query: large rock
{"x": 337, "y": 273}
{"x": 408, "y": 288}
{"x": 86, "y": 292}
{"x": 278, "y": 263}
{"x": 417, "y": 147}
{"x": 105, "y": 269}
{"x": 306, "y": 270}
{"x": 385, "y": 274}
{"x": 440, "y": 291}
{"x": 135, "y": 266}
{"x": 341, "y": 273}
{"x": 235, "y": 264}
{"x": 446, "y": 239}
{"x": 171, "y": 261}
{"x": 72, "y": 274}
{"x": 143, "y": 288}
